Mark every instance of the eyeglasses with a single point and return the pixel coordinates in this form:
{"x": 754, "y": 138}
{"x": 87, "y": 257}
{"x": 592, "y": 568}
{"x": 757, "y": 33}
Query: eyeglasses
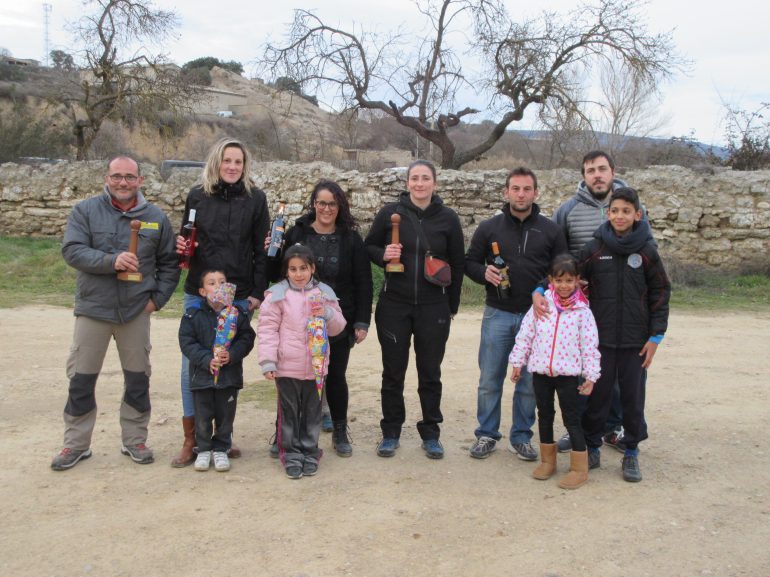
{"x": 129, "y": 178}
{"x": 323, "y": 205}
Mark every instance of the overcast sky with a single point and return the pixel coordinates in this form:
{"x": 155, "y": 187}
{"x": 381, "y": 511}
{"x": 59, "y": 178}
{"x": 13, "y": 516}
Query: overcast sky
{"x": 727, "y": 42}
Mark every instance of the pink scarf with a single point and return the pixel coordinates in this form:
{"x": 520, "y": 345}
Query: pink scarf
{"x": 571, "y": 302}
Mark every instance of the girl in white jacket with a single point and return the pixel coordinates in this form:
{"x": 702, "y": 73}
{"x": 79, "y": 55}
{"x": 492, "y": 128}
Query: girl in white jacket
{"x": 558, "y": 350}
{"x": 297, "y": 316}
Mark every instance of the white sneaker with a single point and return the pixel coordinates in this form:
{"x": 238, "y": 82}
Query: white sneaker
{"x": 203, "y": 462}
{"x": 221, "y": 461}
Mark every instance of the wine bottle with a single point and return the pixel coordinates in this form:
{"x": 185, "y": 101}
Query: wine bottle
{"x": 504, "y": 288}
{"x": 276, "y": 232}
{"x": 189, "y": 233}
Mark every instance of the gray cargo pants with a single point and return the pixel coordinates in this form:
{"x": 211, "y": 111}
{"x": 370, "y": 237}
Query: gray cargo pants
{"x": 89, "y": 347}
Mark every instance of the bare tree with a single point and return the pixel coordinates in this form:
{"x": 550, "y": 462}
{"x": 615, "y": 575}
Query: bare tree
{"x": 419, "y": 83}
{"x": 117, "y": 80}
{"x": 748, "y": 136}
{"x": 629, "y": 105}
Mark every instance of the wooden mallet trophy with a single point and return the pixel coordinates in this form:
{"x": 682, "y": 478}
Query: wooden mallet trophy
{"x": 395, "y": 264}
{"x": 133, "y": 243}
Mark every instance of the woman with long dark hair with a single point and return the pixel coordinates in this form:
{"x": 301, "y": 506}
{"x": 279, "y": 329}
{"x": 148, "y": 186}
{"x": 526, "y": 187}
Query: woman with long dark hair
{"x": 330, "y": 230}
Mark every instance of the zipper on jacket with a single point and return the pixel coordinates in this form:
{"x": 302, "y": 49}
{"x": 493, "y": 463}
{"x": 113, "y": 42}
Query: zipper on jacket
{"x": 553, "y": 344}
{"x": 417, "y": 259}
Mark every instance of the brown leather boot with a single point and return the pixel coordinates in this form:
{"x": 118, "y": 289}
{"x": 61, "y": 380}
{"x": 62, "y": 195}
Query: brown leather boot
{"x": 547, "y": 466}
{"x": 578, "y": 471}
{"x": 186, "y": 455}
{"x": 234, "y": 452}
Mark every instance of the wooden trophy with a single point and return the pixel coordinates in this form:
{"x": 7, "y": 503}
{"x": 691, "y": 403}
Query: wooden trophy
{"x": 133, "y": 243}
{"x": 395, "y": 264}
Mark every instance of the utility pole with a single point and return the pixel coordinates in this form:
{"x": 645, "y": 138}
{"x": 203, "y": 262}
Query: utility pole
{"x": 47, "y": 40}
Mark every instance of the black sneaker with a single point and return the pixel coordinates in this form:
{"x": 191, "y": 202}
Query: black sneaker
{"x": 387, "y": 447}
{"x": 433, "y": 449}
{"x": 140, "y": 453}
{"x": 615, "y": 440}
{"x": 631, "y": 472}
{"x": 594, "y": 458}
{"x": 483, "y": 447}
{"x": 524, "y": 451}
{"x": 294, "y": 472}
{"x": 68, "y": 458}
{"x": 274, "y": 449}
{"x": 309, "y": 468}
{"x": 564, "y": 444}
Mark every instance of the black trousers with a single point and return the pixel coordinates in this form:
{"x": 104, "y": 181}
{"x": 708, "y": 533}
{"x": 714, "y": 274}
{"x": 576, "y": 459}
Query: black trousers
{"x": 397, "y": 324}
{"x": 214, "y": 416}
{"x": 625, "y": 365}
{"x": 336, "y": 380}
{"x": 569, "y": 403}
{"x": 299, "y": 421}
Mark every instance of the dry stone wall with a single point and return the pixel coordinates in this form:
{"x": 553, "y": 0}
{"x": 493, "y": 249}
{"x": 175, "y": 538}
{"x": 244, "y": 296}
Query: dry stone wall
{"x": 718, "y": 218}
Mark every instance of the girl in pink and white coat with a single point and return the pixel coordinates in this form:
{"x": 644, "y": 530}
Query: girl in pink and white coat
{"x": 558, "y": 350}
{"x": 290, "y": 310}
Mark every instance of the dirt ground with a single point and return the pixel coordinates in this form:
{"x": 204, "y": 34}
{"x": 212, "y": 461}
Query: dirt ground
{"x": 703, "y": 508}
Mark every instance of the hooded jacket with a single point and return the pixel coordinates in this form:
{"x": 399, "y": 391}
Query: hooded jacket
{"x": 565, "y": 343}
{"x": 628, "y": 286}
{"x": 231, "y": 224}
{"x": 96, "y": 233}
{"x": 442, "y": 229}
{"x": 282, "y": 329}
{"x": 528, "y": 246}
{"x": 343, "y": 265}
{"x": 196, "y": 339}
{"x": 581, "y": 215}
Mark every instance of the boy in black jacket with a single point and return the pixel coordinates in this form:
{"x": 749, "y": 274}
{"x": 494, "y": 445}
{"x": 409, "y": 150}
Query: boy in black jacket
{"x": 216, "y": 365}
{"x": 629, "y": 294}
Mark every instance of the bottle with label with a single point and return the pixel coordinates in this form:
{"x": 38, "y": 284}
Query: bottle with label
{"x": 189, "y": 233}
{"x": 504, "y": 288}
{"x": 276, "y": 232}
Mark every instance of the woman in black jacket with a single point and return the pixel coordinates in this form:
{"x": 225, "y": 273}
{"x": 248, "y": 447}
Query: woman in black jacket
{"x": 231, "y": 218}
{"x": 342, "y": 262}
{"x": 411, "y": 307}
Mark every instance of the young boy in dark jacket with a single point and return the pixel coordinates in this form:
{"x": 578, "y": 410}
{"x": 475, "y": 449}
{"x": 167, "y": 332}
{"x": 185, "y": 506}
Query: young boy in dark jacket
{"x": 216, "y": 336}
{"x": 629, "y": 293}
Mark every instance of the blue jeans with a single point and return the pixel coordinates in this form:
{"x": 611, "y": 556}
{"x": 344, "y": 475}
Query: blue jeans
{"x": 188, "y": 406}
{"x": 498, "y": 334}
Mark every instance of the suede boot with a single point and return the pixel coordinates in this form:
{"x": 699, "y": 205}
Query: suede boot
{"x": 547, "y": 466}
{"x": 340, "y": 440}
{"x": 578, "y": 471}
{"x": 186, "y": 455}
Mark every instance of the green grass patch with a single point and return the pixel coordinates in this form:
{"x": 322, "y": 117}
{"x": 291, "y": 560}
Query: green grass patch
{"x": 34, "y": 272}
{"x": 262, "y": 393}
{"x": 719, "y": 292}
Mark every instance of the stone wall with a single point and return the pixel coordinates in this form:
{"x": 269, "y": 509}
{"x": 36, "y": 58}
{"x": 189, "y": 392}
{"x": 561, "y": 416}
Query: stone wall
{"x": 719, "y": 219}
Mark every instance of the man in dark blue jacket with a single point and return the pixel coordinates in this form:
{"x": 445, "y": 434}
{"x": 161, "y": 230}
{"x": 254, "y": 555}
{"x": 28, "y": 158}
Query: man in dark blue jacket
{"x": 528, "y": 242}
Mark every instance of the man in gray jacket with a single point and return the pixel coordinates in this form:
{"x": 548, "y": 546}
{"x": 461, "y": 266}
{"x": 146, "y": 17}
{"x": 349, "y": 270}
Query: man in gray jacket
{"x": 96, "y": 244}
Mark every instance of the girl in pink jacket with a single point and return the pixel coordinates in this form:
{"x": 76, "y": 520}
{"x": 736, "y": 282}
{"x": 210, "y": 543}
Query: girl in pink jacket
{"x": 295, "y": 320}
{"x": 558, "y": 350}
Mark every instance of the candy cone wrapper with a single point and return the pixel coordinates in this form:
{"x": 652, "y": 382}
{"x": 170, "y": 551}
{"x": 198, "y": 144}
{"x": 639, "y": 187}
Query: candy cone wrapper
{"x": 227, "y": 319}
{"x": 318, "y": 345}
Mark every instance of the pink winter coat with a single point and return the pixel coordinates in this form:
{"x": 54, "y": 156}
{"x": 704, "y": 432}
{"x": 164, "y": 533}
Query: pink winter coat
{"x": 282, "y": 329}
{"x": 564, "y": 344}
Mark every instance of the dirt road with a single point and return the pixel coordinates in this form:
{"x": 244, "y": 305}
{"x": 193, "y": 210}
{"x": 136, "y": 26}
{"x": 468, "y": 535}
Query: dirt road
{"x": 703, "y": 508}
